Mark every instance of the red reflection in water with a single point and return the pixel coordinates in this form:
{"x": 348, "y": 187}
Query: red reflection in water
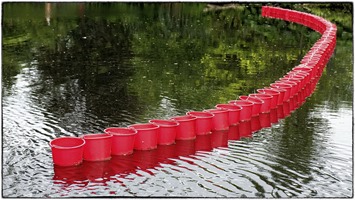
{"x": 245, "y": 129}
{"x": 273, "y": 116}
{"x": 121, "y": 166}
{"x": 264, "y": 119}
{"x": 219, "y": 139}
{"x": 233, "y": 133}
{"x": 255, "y": 124}
{"x": 203, "y": 143}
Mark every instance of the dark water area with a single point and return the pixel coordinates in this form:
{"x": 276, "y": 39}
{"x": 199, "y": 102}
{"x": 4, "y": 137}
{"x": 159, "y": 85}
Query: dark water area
{"x": 70, "y": 69}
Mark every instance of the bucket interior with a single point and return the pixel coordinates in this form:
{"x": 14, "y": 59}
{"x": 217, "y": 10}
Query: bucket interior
{"x": 184, "y": 118}
{"x": 120, "y": 131}
{"x": 230, "y": 107}
{"x": 252, "y": 99}
{"x": 244, "y": 103}
{"x": 200, "y": 114}
{"x": 144, "y": 126}
{"x": 67, "y": 142}
{"x": 97, "y": 136}
{"x": 262, "y": 96}
{"x": 165, "y": 123}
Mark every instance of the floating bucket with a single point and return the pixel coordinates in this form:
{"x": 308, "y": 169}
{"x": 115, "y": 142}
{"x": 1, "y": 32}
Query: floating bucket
{"x": 67, "y": 151}
{"x": 287, "y": 87}
{"x": 275, "y": 96}
{"x": 233, "y": 112}
{"x": 257, "y": 104}
{"x": 146, "y": 137}
{"x": 299, "y": 76}
{"x": 167, "y": 131}
{"x": 122, "y": 140}
{"x": 97, "y": 147}
{"x": 203, "y": 122}
{"x": 267, "y": 98}
{"x": 281, "y": 96}
{"x": 293, "y": 85}
{"x": 247, "y": 107}
{"x": 220, "y": 121}
{"x": 186, "y": 128}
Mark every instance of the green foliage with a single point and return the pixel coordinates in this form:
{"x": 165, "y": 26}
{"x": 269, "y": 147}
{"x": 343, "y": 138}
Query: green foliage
{"x": 151, "y": 52}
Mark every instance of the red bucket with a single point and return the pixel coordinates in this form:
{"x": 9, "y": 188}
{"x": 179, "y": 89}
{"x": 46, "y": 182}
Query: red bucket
{"x": 203, "y": 122}
{"x": 186, "y": 128}
{"x": 220, "y": 121}
{"x": 287, "y": 87}
{"x": 147, "y": 136}
{"x": 122, "y": 140}
{"x": 295, "y": 82}
{"x": 266, "y": 106}
{"x": 282, "y": 92}
{"x": 275, "y": 96}
{"x": 97, "y": 147}
{"x": 293, "y": 85}
{"x": 67, "y": 151}
{"x": 247, "y": 107}
{"x": 257, "y": 104}
{"x": 233, "y": 112}
{"x": 167, "y": 131}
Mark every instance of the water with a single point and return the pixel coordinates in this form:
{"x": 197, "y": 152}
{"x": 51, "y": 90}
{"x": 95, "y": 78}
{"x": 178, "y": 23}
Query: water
{"x": 75, "y": 68}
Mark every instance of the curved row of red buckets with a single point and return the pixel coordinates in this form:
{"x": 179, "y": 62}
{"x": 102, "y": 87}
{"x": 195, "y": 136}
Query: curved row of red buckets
{"x": 292, "y": 89}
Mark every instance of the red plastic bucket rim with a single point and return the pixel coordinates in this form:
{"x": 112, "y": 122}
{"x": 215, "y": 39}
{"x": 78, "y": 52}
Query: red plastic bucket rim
{"x": 144, "y": 127}
{"x": 268, "y": 91}
{"x": 291, "y": 83}
{"x": 255, "y": 100}
{"x": 242, "y": 102}
{"x": 164, "y": 122}
{"x": 121, "y": 131}
{"x": 281, "y": 90}
{"x": 261, "y": 96}
{"x": 281, "y": 85}
{"x": 51, "y": 143}
{"x": 200, "y": 114}
{"x": 216, "y": 110}
{"x": 229, "y": 107}
{"x": 184, "y": 118}
{"x": 294, "y": 79}
{"x": 96, "y": 136}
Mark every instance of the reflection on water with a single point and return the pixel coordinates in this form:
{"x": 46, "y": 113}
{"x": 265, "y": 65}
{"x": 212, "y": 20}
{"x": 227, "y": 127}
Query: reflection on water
{"x": 76, "y": 68}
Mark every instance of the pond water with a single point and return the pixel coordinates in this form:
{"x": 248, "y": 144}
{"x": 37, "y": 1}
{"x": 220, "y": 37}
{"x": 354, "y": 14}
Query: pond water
{"x": 70, "y": 69}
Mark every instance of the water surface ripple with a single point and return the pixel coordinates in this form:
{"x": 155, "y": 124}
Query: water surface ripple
{"x": 307, "y": 154}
